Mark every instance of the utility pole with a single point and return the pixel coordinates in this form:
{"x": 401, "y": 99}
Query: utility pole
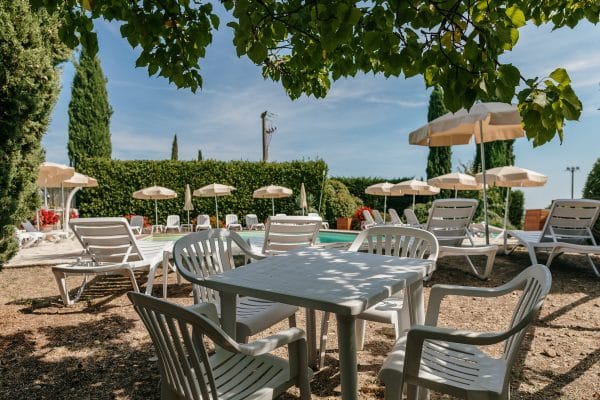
{"x": 572, "y": 171}
{"x": 267, "y": 132}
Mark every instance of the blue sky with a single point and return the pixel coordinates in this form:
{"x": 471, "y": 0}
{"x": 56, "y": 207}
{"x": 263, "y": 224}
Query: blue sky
{"x": 360, "y": 129}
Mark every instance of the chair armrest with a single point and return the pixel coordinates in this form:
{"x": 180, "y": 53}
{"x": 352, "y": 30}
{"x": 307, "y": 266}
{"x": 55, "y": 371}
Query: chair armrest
{"x": 419, "y": 333}
{"x": 270, "y": 343}
{"x": 438, "y": 292}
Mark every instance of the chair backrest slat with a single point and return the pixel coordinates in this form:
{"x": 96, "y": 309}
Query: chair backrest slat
{"x": 231, "y": 219}
{"x": 368, "y": 217}
{"x": 411, "y": 217}
{"x": 173, "y": 220}
{"x": 251, "y": 219}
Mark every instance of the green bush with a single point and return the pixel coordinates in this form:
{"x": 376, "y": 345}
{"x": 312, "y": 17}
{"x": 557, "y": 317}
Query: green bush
{"x": 591, "y": 190}
{"x": 117, "y": 180}
{"x": 339, "y": 202}
{"x": 516, "y": 207}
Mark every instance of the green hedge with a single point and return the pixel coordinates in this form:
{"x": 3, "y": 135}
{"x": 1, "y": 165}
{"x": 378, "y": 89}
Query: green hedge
{"x": 119, "y": 179}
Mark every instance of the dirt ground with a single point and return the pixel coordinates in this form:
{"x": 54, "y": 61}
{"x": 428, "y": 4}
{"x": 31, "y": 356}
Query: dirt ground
{"x": 98, "y": 349}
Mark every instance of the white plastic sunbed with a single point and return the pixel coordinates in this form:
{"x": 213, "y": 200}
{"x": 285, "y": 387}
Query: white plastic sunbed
{"x": 568, "y": 228}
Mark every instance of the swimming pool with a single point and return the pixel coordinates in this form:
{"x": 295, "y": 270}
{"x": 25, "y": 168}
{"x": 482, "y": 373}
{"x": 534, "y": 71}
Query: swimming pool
{"x": 257, "y": 237}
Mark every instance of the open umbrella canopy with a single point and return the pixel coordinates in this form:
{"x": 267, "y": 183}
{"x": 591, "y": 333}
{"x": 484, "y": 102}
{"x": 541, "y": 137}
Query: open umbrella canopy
{"x": 455, "y": 181}
{"x": 154, "y": 193}
{"x": 272, "y": 192}
{"x": 383, "y": 189}
{"x": 415, "y": 187}
{"x": 214, "y": 189}
{"x": 52, "y": 175}
{"x": 511, "y": 176}
{"x": 499, "y": 121}
{"x": 80, "y": 180}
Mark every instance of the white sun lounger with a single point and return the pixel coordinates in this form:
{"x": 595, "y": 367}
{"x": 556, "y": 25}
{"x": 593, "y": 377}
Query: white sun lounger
{"x": 568, "y": 229}
{"x": 110, "y": 249}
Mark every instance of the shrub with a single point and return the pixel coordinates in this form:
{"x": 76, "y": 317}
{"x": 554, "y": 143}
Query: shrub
{"x": 117, "y": 180}
{"x": 338, "y": 201}
{"x": 516, "y": 208}
{"x": 591, "y": 190}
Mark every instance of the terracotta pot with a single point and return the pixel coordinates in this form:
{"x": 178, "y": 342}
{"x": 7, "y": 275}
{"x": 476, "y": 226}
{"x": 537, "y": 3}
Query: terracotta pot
{"x": 343, "y": 223}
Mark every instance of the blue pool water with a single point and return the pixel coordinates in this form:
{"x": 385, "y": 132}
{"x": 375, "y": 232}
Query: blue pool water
{"x": 257, "y": 237}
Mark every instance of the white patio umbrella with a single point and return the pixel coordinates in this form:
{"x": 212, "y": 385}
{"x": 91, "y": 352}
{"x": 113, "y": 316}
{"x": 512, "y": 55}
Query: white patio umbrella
{"x": 51, "y": 175}
{"x": 77, "y": 182}
{"x": 303, "y": 202}
{"x": 272, "y": 192}
{"x": 487, "y": 122}
{"x": 187, "y": 204}
{"x": 383, "y": 189}
{"x": 155, "y": 193}
{"x": 415, "y": 187}
{"x": 455, "y": 181}
{"x": 509, "y": 177}
{"x": 214, "y": 190}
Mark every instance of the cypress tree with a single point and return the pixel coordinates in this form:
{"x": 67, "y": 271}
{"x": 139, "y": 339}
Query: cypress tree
{"x": 199, "y": 154}
{"x": 174, "y": 149}
{"x": 439, "y": 160}
{"x": 89, "y": 113}
{"x": 30, "y": 51}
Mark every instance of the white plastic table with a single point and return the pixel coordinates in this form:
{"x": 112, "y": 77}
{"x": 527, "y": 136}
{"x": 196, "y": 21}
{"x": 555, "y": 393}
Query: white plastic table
{"x": 342, "y": 282}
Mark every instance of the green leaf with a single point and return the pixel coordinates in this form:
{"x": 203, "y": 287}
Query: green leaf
{"x": 560, "y": 75}
{"x": 517, "y": 17}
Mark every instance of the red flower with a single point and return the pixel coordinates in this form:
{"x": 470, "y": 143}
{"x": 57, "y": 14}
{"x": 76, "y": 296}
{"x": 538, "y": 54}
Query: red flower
{"x": 358, "y": 214}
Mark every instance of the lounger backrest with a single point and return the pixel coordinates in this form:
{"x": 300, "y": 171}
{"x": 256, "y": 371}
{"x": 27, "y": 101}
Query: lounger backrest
{"x": 106, "y": 240}
{"x": 202, "y": 219}
{"x": 289, "y": 232}
{"x": 28, "y": 226}
{"x": 173, "y": 220}
{"x": 231, "y": 219}
{"x": 411, "y": 217}
{"x": 251, "y": 219}
{"x": 368, "y": 217}
{"x": 137, "y": 221}
{"x": 313, "y": 215}
{"x": 377, "y": 216}
{"x": 395, "y": 218}
{"x": 571, "y": 221}
{"x": 449, "y": 220}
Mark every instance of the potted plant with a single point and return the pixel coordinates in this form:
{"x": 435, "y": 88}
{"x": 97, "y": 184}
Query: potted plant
{"x": 340, "y": 204}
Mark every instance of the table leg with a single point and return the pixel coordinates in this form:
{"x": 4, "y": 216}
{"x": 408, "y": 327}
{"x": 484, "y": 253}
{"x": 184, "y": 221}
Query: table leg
{"x": 165, "y": 271}
{"x": 311, "y": 333}
{"x": 228, "y": 312}
{"x": 347, "y": 346}
{"x": 415, "y": 302}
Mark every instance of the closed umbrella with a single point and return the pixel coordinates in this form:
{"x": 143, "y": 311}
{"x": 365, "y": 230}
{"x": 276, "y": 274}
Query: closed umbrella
{"x": 187, "y": 204}
{"x": 487, "y": 122}
{"x": 272, "y": 192}
{"x": 415, "y": 187}
{"x": 155, "y": 193}
{"x": 455, "y": 181}
{"x": 383, "y": 189}
{"x": 214, "y": 190}
{"x": 303, "y": 202}
{"x": 511, "y": 176}
{"x": 77, "y": 182}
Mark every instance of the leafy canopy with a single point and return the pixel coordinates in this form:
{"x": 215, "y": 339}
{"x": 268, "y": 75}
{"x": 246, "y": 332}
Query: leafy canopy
{"x": 306, "y": 45}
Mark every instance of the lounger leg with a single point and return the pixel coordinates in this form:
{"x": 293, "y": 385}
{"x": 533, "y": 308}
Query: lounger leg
{"x": 593, "y": 265}
{"x": 532, "y": 254}
{"x": 553, "y": 254}
{"x": 61, "y": 281}
{"x": 292, "y": 320}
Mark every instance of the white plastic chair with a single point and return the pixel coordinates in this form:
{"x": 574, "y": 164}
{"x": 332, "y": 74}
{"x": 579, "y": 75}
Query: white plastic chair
{"x": 202, "y": 222}
{"x": 395, "y": 241}
{"x": 173, "y": 223}
{"x": 231, "y": 222}
{"x": 202, "y": 254}
{"x": 290, "y": 232}
{"x": 137, "y": 224}
{"x": 450, "y": 360}
{"x": 568, "y": 228}
{"x": 191, "y": 370}
{"x": 252, "y": 223}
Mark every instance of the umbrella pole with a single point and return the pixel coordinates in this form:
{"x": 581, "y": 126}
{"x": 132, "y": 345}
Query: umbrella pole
{"x": 45, "y": 197}
{"x": 155, "y": 212}
{"x": 455, "y": 193}
{"x": 217, "y": 211}
{"x": 414, "y": 202}
{"x": 384, "y": 207}
{"x": 485, "y": 205}
{"x": 188, "y": 216}
{"x": 273, "y": 205}
{"x": 506, "y": 216}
